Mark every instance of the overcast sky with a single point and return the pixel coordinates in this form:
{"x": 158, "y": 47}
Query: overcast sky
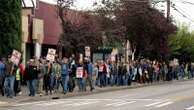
{"x": 186, "y": 9}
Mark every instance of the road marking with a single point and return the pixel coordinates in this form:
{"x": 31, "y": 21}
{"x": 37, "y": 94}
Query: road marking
{"x": 3, "y": 102}
{"x": 53, "y": 103}
{"x": 85, "y": 103}
{"x": 164, "y": 104}
{"x": 109, "y": 99}
{"x": 190, "y": 108}
{"x": 142, "y": 99}
{"x": 117, "y": 105}
{"x": 80, "y": 103}
{"x": 30, "y": 103}
{"x": 89, "y": 99}
{"x": 152, "y": 104}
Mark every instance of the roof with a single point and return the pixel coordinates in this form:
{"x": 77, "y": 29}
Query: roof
{"x": 29, "y": 3}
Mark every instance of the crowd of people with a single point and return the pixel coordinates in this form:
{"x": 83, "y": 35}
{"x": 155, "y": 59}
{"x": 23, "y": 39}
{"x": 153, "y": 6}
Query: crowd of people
{"x": 45, "y": 77}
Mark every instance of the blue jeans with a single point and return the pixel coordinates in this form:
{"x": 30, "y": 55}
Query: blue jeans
{"x": 98, "y": 81}
{"x": 107, "y": 82}
{"x": 80, "y": 83}
{"x": 32, "y": 87}
{"x": 65, "y": 80}
{"x": 103, "y": 79}
{"x": 52, "y": 84}
{"x": 127, "y": 79}
{"x": 113, "y": 79}
{"x": 155, "y": 76}
{"x": 9, "y": 85}
{"x": 57, "y": 83}
{"x": 120, "y": 80}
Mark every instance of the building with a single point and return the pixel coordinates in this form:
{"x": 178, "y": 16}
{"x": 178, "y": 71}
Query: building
{"x": 41, "y": 27}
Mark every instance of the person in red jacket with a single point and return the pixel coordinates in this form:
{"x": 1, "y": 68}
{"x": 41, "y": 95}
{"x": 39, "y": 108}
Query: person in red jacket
{"x": 102, "y": 71}
{"x": 21, "y": 66}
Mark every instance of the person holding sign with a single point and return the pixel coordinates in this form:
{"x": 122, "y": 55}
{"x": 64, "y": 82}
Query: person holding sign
{"x": 79, "y": 75}
{"x": 31, "y": 76}
{"x": 89, "y": 70}
{"x": 102, "y": 71}
{"x": 64, "y": 74}
{"x": 9, "y": 79}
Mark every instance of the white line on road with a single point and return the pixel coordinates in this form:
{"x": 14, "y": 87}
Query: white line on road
{"x": 164, "y": 104}
{"x": 85, "y": 103}
{"x": 141, "y": 99}
{"x": 53, "y": 103}
{"x": 80, "y": 103}
{"x": 117, "y": 105}
{"x": 113, "y": 99}
{"x": 30, "y": 103}
{"x": 3, "y": 102}
{"x": 88, "y": 99}
{"x": 190, "y": 108}
{"x": 152, "y": 104}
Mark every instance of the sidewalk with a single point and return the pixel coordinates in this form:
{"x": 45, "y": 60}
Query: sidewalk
{"x": 25, "y": 98}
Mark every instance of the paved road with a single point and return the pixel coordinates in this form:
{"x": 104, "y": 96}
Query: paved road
{"x": 175, "y": 96}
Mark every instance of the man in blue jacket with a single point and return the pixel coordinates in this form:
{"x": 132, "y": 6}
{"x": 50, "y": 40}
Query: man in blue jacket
{"x": 89, "y": 69}
{"x": 64, "y": 74}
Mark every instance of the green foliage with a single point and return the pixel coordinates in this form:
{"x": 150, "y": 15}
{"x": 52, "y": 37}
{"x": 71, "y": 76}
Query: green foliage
{"x": 182, "y": 44}
{"x": 10, "y": 26}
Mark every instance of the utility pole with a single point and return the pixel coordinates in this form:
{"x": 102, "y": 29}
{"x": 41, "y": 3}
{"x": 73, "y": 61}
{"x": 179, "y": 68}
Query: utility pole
{"x": 168, "y": 10}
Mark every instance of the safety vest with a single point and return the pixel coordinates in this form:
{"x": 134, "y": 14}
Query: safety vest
{"x": 18, "y": 75}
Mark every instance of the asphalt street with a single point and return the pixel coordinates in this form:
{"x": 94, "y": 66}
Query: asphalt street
{"x": 174, "y": 96}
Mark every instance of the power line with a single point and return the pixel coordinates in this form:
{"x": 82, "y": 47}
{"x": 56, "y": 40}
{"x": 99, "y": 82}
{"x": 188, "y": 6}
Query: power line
{"x": 186, "y": 2}
{"x": 183, "y": 14}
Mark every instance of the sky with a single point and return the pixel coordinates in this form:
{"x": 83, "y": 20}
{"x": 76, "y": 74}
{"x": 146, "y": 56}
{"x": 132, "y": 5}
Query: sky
{"x": 185, "y": 14}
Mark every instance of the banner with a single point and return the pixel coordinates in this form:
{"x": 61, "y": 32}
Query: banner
{"x": 15, "y": 58}
{"x": 51, "y": 55}
{"x": 87, "y": 51}
{"x": 79, "y": 72}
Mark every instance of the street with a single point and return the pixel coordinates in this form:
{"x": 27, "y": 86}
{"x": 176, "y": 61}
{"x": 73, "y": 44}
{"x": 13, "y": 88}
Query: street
{"x": 173, "y": 96}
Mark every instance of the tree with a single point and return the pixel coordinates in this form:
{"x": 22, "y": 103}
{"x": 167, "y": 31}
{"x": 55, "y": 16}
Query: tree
{"x": 10, "y": 25}
{"x": 145, "y": 27}
{"x": 182, "y": 44}
{"x": 76, "y": 36}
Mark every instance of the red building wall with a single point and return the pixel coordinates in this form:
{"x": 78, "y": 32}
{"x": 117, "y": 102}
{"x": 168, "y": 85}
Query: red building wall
{"x": 52, "y": 23}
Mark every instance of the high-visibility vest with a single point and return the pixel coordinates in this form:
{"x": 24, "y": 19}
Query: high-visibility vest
{"x": 18, "y": 75}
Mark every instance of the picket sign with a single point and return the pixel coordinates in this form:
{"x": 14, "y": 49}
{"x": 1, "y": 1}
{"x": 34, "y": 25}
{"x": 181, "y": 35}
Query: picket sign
{"x": 113, "y": 58}
{"x": 15, "y": 58}
{"x": 79, "y": 72}
{"x": 101, "y": 68}
{"x": 87, "y": 51}
{"x": 51, "y": 54}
